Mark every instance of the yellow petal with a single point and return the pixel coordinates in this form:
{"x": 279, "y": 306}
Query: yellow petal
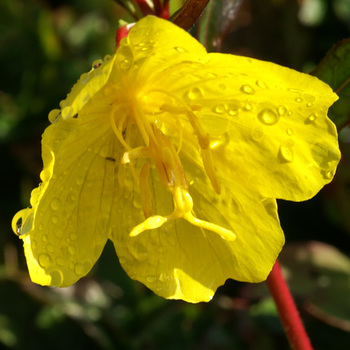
{"x": 182, "y": 261}
{"x": 264, "y": 119}
{"x": 73, "y": 205}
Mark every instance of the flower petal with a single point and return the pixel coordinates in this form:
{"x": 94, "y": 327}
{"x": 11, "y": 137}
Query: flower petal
{"x": 72, "y": 207}
{"x": 182, "y": 261}
{"x": 269, "y": 121}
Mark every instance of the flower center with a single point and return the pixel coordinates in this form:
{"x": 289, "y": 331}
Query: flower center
{"x": 160, "y": 150}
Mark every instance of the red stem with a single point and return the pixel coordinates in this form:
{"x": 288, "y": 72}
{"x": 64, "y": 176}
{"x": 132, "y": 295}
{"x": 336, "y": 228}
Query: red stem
{"x": 287, "y": 310}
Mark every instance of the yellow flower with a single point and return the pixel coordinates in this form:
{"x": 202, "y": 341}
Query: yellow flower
{"x": 177, "y": 156}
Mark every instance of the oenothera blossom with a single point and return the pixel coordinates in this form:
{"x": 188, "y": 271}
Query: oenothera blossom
{"x": 177, "y": 156}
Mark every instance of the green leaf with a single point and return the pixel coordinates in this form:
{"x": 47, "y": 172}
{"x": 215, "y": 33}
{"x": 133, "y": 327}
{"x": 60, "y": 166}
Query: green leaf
{"x": 319, "y": 274}
{"x": 334, "y": 69}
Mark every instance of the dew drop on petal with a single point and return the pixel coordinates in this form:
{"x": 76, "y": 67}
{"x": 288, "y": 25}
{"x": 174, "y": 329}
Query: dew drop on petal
{"x": 195, "y": 93}
{"x": 268, "y": 117}
{"x": 258, "y": 133}
{"x": 289, "y": 132}
{"x": 107, "y": 58}
{"x": 298, "y": 100}
{"x": 59, "y": 261}
{"x": 125, "y": 64}
{"x": 222, "y": 86}
{"x": 282, "y": 110}
{"x": 247, "y": 89}
{"x": 286, "y": 153}
{"x": 54, "y": 219}
{"x": 144, "y": 46}
{"x": 151, "y": 279}
{"x": 180, "y": 49}
{"x": 96, "y": 64}
{"x": 79, "y": 181}
{"x": 56, "y": 278}
{"x": 54, "y": 115}
{"x": 248, "y": 107}
{"x": 55, "y": 204}
{"x": 311, "y": 118}
{"x": 71, "y": 250}
{"x": 67, "y": 112}
{"x": 82, "y": 269}
{"x": 261, "y": 84}
{"x": 220, "y": 109}
{"x": 84, "y": 78}
{"x": 44, "y": 238}
{"x": 45, "y": 260}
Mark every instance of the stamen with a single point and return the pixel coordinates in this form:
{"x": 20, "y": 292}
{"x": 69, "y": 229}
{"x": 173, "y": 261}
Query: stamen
{"x": 117, "y": 130}
{"x": 209, "y": 168}
{"x": 203, "y": 139}
{"x": 145, "y": 192}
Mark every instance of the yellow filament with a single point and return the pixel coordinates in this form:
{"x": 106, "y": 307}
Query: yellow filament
{"x": 203, "y": 139}
{"x": 209, "y": 169}
{"x": 117, "y": 131}
{"x": 145, "y": 192}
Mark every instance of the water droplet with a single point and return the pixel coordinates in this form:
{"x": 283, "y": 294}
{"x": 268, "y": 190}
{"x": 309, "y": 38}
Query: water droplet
{"x": 96, "y": 63}
{"x": 261, "y": 84}
{"x": 56, "y": 278}
{"x": 67, "y": 112}
{"x": 309, "y": 104}
{"x": 71, "y": 249}
{"x": 257, "y": 133}
{"x": 73, "y": 236}
{"x": 222, "y": 86}
{"x": 163, "y": 277}
{"x": 220, "y": 109}
{"x": 45, "y": 175}
{"x": 125, "y": 64}
{"x": 180, "y": 49}
{"x": 63, "y": 103}
{"x": 86, "y": 98}
{"x": 54, "y": 219}
{"x": 80, "y": 181}
{"x": 41, "y": 226}
{"x": 144, "y": 46}
{"x": 247, "y": 89}
{"x": 151, "y": 279}
{"x": 329, "y": 174}
{"x": 122, "y": 260}
{"x": 44, "y": 260}
{"x": 59, "y": 261}
{"x": 79, "y": 269}
{"x": 286, "y": 154}
{"x": 107, "y": 58}
{"x": 311, "y": 118}
{"x": 282, "y": 110}
{"x": 84, "y": 78}
{"x": 54, "y": 115}
{"x": 55, "y": 204}
{"x": 44, "y": 238}
{"x": 50, "y": 248}
{"x": 195, "y": 93}
{"x": 248, "y": 107}
{"x": 289, "y": 132}
{"x": 268, "y": 117}
{"x": 299, "y": 100}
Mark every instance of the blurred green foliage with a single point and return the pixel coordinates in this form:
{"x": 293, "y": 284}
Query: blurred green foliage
{"x": 44, "y": 47}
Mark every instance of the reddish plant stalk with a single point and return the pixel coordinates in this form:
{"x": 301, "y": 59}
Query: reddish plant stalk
{"x": 287, "y": 310}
